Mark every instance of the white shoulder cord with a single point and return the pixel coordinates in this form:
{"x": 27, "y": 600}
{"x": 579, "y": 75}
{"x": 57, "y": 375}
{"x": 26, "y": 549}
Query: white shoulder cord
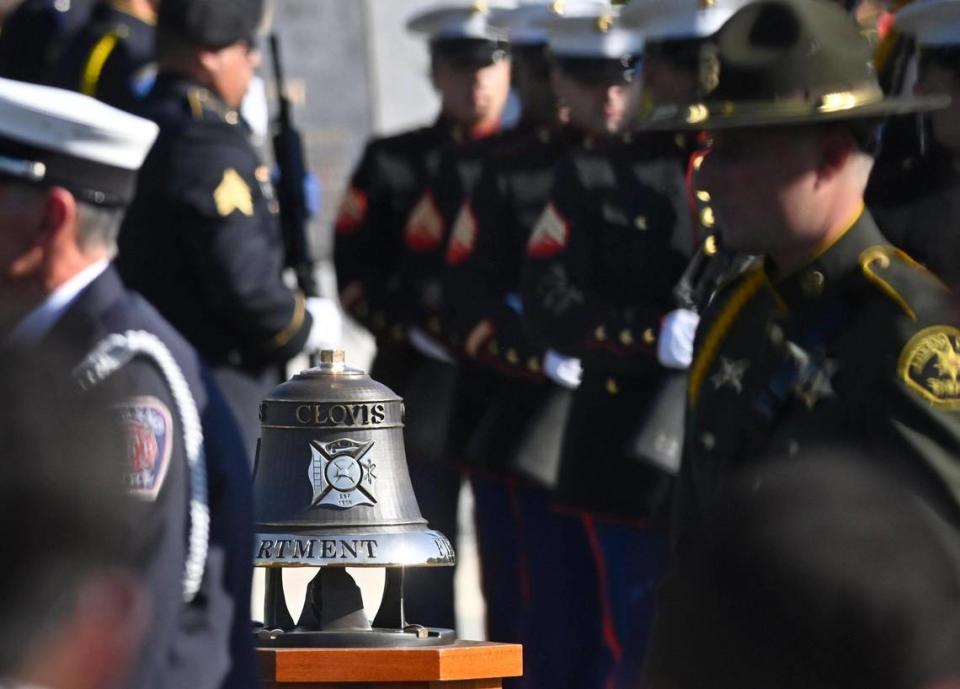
{"x": 114, "y": 352}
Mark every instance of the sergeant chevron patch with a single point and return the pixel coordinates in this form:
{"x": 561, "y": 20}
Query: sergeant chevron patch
{"x": 549, "y": 235}
{"x": 352, "y": 212}
{"x": 464, "y": 237}
{"x": 233, "y": 194}
{"x": 424, "y": 230}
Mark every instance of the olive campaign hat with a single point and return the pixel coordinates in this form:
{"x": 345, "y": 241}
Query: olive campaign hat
{"x": 784, "y": 62}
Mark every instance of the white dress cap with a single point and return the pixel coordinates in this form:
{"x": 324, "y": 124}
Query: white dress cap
{"x": 526, "y": 24}
{"x": 459, "y": 20}
{"x": 600, "y": 36}
{"x": 54, "y": 137}
{"x": 664, "y": 20}
{"x": 73, "y": 124}
{"x": 931, "y": 22}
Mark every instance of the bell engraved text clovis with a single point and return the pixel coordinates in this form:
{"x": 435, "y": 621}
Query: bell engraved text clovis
{"x": 341, "y": 473}
{"x": 341, "y": 415}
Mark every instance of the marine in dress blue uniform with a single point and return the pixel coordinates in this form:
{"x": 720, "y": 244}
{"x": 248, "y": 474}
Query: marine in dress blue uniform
{"x": 390, "y": 238}
{"x": 914, "y": 190}
{"x": 185, "y": 461}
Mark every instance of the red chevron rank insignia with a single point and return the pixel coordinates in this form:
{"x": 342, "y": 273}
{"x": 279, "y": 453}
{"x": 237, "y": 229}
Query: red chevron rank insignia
{"x": 464, "y": 238}
{"x": 549, "y": 235}
{"x": 424, "y": 230}
{"x": 352, "y": 212}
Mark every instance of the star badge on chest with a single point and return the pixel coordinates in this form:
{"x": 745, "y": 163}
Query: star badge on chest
{"x": 731, "y": 374}
{"x": 820, "y": 385}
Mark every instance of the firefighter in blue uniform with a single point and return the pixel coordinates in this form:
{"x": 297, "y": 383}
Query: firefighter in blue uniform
{"x": 835, "y": 339}
{"x": 201, "y": 240}
{"x": 602, "y": 263}
{"x": 111, "y": 57}
{"x": 915, "y": 193}
{"x": 383, "y": 220}
{"x": 69, "y": 167}
{"x": 515, "y": 450}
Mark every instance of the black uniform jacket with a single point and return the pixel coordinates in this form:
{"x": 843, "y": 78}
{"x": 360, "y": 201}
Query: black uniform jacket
{"x": 917, "y": 207}
{"x": 370, "y": 229}
{"x": 35, "y": 33}
{"x": 109, "y": 59}
{"x": 206, "y": 643}
{"x": 857, "y": 350}
{"x": 601, "y": 265}
{"x": 202, "y": 243}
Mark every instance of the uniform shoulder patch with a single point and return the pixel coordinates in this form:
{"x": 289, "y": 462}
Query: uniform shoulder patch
{"x": 550, "y": 234}
{"x": 930, "y": 365}
{"x": 352, "y": 211}
{"x": 148, "y": 426}
{"x": 424, "y": 230}
{"x": 464, "y": 237}
{"x": 233, "y": 194}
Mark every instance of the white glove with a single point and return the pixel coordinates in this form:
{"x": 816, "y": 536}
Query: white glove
{"x": 327, "y": 329}
{"x": 675, "y": 347}
{"x": 565, "y": 371}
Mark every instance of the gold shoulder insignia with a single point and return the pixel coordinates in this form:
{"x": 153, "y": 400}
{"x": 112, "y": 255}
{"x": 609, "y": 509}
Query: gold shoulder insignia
{"x": 233, "y": 194}
{"x": 930, "y": 365}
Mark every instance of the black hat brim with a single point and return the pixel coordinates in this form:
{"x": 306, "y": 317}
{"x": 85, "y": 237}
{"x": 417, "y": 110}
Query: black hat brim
{"x": 746, "y": 114}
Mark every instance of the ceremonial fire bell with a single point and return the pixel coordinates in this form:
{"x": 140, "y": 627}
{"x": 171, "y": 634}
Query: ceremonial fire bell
{"x": 331, "y": 490}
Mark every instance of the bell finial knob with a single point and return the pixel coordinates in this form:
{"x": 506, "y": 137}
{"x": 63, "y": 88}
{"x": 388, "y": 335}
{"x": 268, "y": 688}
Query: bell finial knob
{"x": 332, "y": 356}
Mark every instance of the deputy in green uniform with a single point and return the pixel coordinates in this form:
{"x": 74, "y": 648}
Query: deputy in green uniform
{"x": 835, "y": 338}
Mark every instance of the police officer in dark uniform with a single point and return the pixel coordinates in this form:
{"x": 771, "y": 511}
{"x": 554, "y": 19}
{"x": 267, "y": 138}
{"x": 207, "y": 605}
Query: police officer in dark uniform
{"x": 33, "y": 35}
{"x": 387, "y": 230}
{"x": 836, "y": 339}
{"x": 201, "y": 240}
{"x": 69, "y": 167}
{"x": 111, "y": 58}
{"x": 915, "y": 189}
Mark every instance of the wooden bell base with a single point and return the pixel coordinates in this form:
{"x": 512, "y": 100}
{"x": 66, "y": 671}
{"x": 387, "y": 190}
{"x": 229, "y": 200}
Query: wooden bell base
{"x": 461, "y": 665}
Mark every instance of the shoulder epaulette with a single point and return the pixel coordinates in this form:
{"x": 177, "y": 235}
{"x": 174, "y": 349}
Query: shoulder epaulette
{"x": 203, "y": 105}
{"x": 891, "y": 271}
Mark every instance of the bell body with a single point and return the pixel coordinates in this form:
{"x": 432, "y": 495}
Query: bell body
{"x": 331, "y": 485}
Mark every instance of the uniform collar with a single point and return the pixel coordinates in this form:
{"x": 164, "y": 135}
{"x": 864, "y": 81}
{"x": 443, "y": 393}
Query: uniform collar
{"x": 203, "y": 104}
{"x": 35, "y": 326}
{"x": 830, "y": 267}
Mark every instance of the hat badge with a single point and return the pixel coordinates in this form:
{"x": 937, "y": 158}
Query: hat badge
{"x": 480, "y": 7}
{"x": 605, "y": 23}
{"x": 559, "y": 7}
{"x": 706, "y": 4}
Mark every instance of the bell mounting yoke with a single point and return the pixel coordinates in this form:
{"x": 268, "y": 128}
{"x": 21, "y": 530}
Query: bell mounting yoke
{"x": 332, "y": 490}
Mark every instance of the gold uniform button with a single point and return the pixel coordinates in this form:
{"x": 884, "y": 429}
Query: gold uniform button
{"x": 600, "y": 334}
{"x": 704, "y": 196}
{"x": 649, "y": 337}
{"x": 706, "y": 217}
{"x": 533, "y": 363}
{"x": 612, "y": 387}
{"x": 512, "y": 357}
{"x": 626, "y": 338}
{"x": 812, "y": 283}
{"x": 710, "y": 246}
{"x": 232, "y": 117}
{"x": 640, "y": 222}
